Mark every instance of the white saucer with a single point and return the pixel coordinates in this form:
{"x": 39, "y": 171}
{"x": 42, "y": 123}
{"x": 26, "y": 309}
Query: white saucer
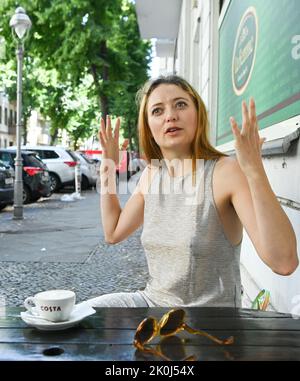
{"x": 79, "y": 312}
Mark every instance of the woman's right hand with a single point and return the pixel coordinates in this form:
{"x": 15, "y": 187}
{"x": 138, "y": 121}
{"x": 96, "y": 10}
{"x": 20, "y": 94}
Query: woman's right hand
{"x": 110, "y": 141}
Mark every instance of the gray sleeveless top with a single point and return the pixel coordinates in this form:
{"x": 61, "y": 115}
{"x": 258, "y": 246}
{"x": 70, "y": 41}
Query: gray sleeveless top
{"x": 190, "y": 260}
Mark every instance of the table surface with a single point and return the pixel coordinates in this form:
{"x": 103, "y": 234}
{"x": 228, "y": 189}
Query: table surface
{"x": 108, "y": 335}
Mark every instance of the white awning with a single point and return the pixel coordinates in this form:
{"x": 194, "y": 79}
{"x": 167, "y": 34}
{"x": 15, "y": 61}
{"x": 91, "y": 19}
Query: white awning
{"x": 165, "y": 48}
{"x": 158, "y": 18}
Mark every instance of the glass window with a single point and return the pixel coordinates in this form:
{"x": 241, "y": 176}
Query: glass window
{"x": 0, "y": 115}
{"x": 73, "y": 156}
{"x": 5, "y": 117}
{"x": 88, "y": 160}
{"x": 39, "y": 152}
{"x": 49, "y": 155}
{"x": 6, "y": 158}
{"x": 32, "y": 160}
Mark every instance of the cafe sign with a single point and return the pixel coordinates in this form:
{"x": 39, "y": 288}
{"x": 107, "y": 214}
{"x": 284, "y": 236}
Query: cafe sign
{"x": 244, "y": 51}
{"x": 259, "y": 57}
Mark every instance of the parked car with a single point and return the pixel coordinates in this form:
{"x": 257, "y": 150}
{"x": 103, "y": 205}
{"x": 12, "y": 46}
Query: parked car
{"x": 6, "y": 186}
{"x": 61, "y": 163}
{"x": 36, "y": 179}
{"x": 88, "y": 169}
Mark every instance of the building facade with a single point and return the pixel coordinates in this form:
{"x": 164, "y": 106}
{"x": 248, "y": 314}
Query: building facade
{"x": 8, "y": 118}
{"x": 38, "y": 129}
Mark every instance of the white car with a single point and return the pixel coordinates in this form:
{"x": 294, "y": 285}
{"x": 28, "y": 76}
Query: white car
{"x": 60, "y": 161}
{"x": 88, "y": 168}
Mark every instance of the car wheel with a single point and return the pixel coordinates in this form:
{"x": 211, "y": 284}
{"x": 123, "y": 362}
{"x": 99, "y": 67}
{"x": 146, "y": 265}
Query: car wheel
{"x": 26, "y": 195}
{"x": 84, "y": 182}
{"x": 55, "y": 182}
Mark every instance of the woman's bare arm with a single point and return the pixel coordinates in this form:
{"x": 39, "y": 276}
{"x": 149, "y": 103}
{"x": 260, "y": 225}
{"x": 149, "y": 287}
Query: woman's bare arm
{"x": 264, "y": 219}
{"x": 118, "y": 224}
{"x": 254, "y": 201}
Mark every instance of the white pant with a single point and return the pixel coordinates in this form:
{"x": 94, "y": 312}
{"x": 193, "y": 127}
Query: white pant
{"x": 119, "y": 299}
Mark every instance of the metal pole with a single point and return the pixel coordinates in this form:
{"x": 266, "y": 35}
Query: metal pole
{"x": 18, "y": 186}
{"x": 77, "y": 178}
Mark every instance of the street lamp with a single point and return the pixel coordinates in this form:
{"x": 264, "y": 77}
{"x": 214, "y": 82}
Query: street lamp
{"x": 20, "y": 24}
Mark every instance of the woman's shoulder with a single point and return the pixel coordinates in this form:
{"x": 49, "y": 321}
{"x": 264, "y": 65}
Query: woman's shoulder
{"x": 226, "y": 164}
{"x": 228, "y": 173}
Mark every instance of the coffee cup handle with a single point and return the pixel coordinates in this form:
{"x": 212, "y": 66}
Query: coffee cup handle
{"x": 30, "y": 304}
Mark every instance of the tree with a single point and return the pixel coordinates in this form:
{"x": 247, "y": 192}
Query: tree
{"x": 30, "y": 88}
{"x": 135, "y": 55}
{"x": 79, "y": 38}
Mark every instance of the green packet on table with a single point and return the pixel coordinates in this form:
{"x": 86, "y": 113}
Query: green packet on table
{"x": 261, "y": 301}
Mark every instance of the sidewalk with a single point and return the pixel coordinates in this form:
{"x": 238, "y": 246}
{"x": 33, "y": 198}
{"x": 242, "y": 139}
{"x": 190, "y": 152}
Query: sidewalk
{"x": 60, "y": 245}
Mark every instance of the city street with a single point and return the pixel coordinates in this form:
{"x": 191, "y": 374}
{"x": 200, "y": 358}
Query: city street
{"x": 60, "y": 244}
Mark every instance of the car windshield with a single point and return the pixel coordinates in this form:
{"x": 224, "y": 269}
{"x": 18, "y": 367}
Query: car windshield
{"x": 90, "y": 161}
{"x": 72, "y": 154}
{"x": 3, "y": 165}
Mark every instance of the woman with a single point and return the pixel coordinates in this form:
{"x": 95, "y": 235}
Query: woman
{"x": 193, "y": 248}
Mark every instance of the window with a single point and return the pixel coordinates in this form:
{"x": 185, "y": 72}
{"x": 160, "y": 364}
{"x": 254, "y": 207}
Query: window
{"x": 40, "y": 153}
{"x": 72, "y": 155}
{"x": 50, "y": 155}
{"x": 6, "y": 158}
{"x": 0, "y": 115}
{"x": 32, "y": 160}
{"x": 5, "y": 117}
{"x": 88, "y": 160}
{"x": 15, "y": 117}
{"x": 11, "y": 117}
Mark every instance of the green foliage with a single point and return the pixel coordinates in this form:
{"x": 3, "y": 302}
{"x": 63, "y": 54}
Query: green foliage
{"x": 82, "y": 57}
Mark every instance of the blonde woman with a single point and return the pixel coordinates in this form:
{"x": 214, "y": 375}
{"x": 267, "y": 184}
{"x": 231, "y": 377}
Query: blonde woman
{"x": 193, "y": 247}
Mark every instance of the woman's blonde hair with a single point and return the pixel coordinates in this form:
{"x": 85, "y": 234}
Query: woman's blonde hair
{"x": 201, "y": 148}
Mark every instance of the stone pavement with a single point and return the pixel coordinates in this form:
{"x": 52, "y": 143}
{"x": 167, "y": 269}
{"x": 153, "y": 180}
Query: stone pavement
{"x": 60, "y": 244}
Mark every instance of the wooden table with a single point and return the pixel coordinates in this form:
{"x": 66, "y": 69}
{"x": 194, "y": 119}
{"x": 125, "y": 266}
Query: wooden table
{"x": 108, "y": 335}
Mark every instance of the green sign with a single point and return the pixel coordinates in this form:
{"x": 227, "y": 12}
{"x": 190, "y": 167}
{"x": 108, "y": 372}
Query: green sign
{"x": 259, "y": 56}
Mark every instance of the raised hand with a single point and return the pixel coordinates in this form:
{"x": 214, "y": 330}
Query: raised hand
{"x": 247, "y": 140}
{"x": 109, "y": 140}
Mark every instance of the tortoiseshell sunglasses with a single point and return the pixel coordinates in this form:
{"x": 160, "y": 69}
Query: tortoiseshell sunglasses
{"x": 170, "y": 324}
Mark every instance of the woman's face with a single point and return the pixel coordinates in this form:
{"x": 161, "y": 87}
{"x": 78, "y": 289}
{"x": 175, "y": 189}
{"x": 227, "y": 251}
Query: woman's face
{"x": 172, "y": 118}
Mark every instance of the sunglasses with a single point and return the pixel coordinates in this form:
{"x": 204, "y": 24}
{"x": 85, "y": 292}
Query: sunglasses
{"x": 170, "y": 324}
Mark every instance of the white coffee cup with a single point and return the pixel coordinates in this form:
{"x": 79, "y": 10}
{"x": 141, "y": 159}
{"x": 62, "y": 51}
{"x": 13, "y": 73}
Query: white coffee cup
{"x": 53, "y": 305}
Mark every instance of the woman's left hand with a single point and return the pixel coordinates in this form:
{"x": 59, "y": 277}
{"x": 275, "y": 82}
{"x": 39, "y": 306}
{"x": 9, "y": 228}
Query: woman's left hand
{"x": 247, "y": 141}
